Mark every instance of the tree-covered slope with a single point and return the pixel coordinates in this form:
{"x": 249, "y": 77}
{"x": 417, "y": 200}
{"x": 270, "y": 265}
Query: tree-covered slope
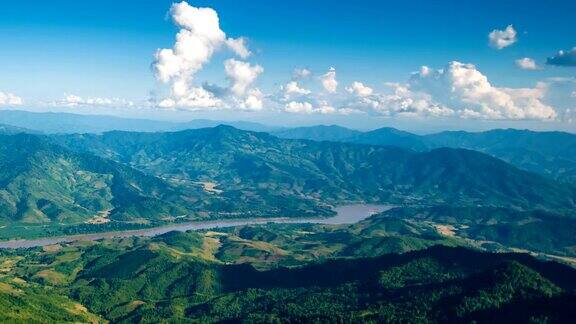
{"x": 549, "y": 153}
{"x": 41, "y": 183}
{"x": 165, "y": 280}
{"x": 383, "y": 269}
{"x": 552, "y": 154}
{"x": 536, "y": 230}
{"x": 253, "y": 165}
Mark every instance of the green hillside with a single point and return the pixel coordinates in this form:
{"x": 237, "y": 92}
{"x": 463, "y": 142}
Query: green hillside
{"x": 552, "y": 154}
{"x": 536, "y": 230}
{"x": 248, "y": 165}
{"x": 303, "y": 273}
{"x": 44, "y": 183}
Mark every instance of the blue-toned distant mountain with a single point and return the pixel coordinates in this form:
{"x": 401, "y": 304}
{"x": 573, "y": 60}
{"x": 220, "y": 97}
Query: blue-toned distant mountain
{"x": 388, "y": 136}
{"x": 548, "y": 153}
{"x": 67, "y": 123}
{"x": 251, "y": 165}
{"x": 225, "y": 172}
{"x": 318, "y": 133}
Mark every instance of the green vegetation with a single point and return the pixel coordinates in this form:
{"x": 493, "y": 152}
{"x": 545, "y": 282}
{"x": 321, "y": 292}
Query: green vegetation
{"x": 552, "y": 154}
{"x": 118, "y": 180}
{"x": 537, "y": 230}
{"x": 44, "y": 183}
{"x": 409, "y": 264}
{"x": 259, "y": 169}
{"x": 283, "y": 273}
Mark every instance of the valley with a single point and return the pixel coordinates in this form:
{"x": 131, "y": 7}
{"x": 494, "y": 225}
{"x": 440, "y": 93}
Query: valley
{"x": 223, "y": 224}
{"x": 287, "y": 162}
{"x": 344, "y": 215}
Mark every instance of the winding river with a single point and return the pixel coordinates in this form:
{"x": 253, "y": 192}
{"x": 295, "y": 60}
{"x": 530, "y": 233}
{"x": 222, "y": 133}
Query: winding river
{"x": 347, "y": 214}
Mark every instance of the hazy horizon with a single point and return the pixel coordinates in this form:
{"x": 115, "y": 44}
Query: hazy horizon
{"x": 315, "y": 65}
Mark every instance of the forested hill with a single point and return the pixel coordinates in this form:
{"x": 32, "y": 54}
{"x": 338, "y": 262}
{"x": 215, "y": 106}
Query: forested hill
{"x": 552, "y": 154}
{"x": 255, "y": 164}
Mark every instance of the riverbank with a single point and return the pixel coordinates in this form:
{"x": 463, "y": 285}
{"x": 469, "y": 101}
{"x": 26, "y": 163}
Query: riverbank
{"x": 346, "y": 214}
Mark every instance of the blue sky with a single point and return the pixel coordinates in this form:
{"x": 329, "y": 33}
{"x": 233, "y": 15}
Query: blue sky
{"x": 105, "y": 49}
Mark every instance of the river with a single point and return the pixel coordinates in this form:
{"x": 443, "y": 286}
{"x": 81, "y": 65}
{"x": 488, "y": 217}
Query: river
{"x": 347, "y": 214}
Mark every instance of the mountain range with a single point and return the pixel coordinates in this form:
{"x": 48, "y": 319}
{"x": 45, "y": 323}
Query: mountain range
{"x": 284, "y": 273}
{"x": 552, "y": 154}
{"x": 67, "y": 123}
{"x": 256, "y": 165}
{"x": 224, "y": 172}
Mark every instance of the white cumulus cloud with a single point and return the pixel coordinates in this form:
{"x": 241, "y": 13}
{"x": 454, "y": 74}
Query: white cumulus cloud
{"x": 239, "y": 47}
{"x": 301, "y": 73}
{"x": 466, "y": 90}
{"x": 200, "y": 36}
{"x": 307, "y": 108}
{"x": 458, "y": 90}
{"x": 10, "y": 99}
{"x": 359, "y": 89}
{"x": 196, "y": 98}
{"x": 71, "y": 100}
{"x": 526, "y": 63}
{"x": 253, "y": 100}
{"x": 502, "y": 38}
{"x": 401, "y": 101}
{"x": 329, "y": 81}
{"x": 292, "y": 87}
{"x": 241, "y": 75}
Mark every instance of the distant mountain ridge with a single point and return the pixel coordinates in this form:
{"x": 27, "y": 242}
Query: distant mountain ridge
{"x": 548, "y": 153}
{"x": 318, "y": 133}
{"x": 68, "y": 123}
{"x": 552, "y": 154}
{"x": 256, "y": 165}
{"x": 225, "y": 172}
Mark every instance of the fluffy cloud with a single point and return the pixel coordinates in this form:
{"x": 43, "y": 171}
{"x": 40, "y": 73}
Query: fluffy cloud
{"x": 401, "y": 101}
{"x": 199, "y": 38}
{"x": 292, "y": 87}
{"x": 196, "y": 98}
{"x": 526, "y": 63}
{"x": 239, "y": 47}
{"x": 307, "y": 108}
{"x": 9, "y": 99}
{"x": 253, "y": 100}
{"x": 563, "y": 58}
{"x": 459, "y": 90}
{"x": 298, "y": 107}
{"x": 467, "y": 91}
{"x": 241, "y": 75}
{"x": 502, "y": 38}
{"x": 359, "y": 89}
{"x": 328, "y": 80}
{"x": 301, "y": 73}
{"x": 71, "y": 100}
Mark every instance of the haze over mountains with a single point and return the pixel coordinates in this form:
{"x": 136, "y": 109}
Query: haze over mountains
{"x": 548, "y": 153}
{"x": 495, "y": 191}
{"x": 67, "y": 123}
{"x": 224, "y": 172}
